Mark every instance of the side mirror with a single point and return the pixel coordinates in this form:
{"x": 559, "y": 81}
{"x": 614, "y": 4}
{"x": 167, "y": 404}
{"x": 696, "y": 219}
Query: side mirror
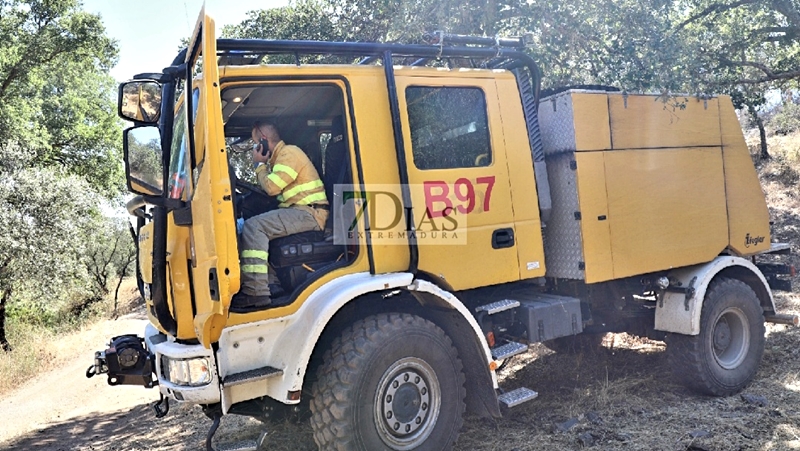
{"x": 140, "y": 101}
{"x": 144, "y": 168}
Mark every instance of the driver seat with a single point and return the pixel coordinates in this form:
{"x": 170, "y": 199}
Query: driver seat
{"x": 293, "y": 257}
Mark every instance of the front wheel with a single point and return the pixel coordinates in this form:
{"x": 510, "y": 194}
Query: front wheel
{"x": 724, "y": 357}
{"x": 390, "y": 381}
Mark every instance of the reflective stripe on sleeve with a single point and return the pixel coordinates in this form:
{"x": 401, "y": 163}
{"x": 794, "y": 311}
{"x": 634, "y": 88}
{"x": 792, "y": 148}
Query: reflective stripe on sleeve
{"x": 286, "y": 170}
{"x": 277, "y": 180}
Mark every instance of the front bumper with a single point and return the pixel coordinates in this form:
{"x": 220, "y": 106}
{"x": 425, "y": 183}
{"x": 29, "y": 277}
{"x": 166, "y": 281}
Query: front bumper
{"x": 161, "y": 346}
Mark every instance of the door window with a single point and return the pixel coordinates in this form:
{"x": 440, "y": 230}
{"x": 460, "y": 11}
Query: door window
{"x": 449, "y": 127}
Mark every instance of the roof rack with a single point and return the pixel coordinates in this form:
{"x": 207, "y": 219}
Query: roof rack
{"x": 484, "y": 52}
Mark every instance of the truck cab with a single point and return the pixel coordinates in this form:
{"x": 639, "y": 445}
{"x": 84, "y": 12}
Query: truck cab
{"x": 469, "y": 219}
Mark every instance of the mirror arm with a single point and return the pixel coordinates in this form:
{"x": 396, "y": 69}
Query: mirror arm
{"x": 148, "y": 76}
{"x": 169, "y": 74}
{"x": 177, "y": 72}
{"x": 138, "y": 207}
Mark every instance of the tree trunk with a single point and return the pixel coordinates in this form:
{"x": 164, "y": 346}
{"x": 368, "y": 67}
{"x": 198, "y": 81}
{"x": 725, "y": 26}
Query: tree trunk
{"x": 4, "y": 344}
{"x": 122, "y": 273}
{"x": 489, "y": 19}
{"x": 762, "y": 133}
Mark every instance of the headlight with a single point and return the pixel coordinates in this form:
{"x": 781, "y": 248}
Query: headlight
{"x": 189, "y": 372}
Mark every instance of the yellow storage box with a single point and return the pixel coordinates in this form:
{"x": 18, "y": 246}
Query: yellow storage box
{"x": 639, "y": 186}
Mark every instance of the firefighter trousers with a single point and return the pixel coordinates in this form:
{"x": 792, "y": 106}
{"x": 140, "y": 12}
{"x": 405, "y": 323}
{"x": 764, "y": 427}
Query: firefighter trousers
{"x": 256, "y": 233}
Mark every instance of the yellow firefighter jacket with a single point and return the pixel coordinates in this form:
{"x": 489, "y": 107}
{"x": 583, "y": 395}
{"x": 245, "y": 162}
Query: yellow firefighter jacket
{"x": 291, "y": 176}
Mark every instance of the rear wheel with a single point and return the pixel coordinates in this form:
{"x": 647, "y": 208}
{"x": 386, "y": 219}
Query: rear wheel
{"x": 724, "y": 357}
{"x": 390, "y": 381}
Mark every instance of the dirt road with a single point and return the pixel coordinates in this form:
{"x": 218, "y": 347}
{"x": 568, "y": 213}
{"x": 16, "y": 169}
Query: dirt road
{"x": 62, "y": 405}
{"x": 623, "y": 397}
{"x": 62, "y": 410}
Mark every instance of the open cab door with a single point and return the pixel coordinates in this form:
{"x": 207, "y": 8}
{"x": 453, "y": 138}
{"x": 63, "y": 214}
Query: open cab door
{"x": 215, "y": 257}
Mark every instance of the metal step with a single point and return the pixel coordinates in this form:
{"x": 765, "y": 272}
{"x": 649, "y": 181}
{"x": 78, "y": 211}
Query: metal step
{"x": 507, "y": 350}
{"x": 517, "y": 396}
{"x": 251, "y": 376}
{"x": 250, "y": 445}
{"x": 498, "y": 306}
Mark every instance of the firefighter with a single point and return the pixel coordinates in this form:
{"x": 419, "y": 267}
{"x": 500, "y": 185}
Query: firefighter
{"x": 286, "y": 172}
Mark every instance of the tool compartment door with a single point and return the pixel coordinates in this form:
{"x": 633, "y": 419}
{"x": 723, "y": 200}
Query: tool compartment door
{"x": 666, "y": 208}
{"x": 458, "y": 171}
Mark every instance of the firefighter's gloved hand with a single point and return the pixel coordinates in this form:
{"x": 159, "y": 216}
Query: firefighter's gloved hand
{"x": 239, "y": 225}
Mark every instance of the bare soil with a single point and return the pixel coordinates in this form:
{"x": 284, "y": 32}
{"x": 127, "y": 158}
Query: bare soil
{"x": 621, "y": 398}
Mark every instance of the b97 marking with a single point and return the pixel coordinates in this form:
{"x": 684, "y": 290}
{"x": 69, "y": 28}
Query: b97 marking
{"x": 438, "y": 202}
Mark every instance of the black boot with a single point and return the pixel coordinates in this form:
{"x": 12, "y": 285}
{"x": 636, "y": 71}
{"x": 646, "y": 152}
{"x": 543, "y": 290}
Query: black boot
{"x": 276, "y": 290}
{"x": 245, "y": 301}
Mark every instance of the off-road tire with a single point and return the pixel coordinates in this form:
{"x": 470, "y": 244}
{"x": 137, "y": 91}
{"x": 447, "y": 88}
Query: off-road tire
{"x": 371, "y": 356}
{"x": 576, "y": 344}
{"x": 723, "y": 359}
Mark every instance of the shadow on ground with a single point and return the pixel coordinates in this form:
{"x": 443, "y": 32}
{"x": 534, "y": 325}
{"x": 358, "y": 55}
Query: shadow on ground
{"x": 131, "y": 429}
{"x": 619, "y": 398}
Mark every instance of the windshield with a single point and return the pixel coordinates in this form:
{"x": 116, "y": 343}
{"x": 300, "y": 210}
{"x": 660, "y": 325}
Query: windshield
{"x": 178, "y": 162}
{"x": 179, "y": 151}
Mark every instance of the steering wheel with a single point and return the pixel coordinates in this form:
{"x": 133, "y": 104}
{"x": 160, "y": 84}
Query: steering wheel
{"x": 251, "y": 199}
{"x": 248, "y": 189}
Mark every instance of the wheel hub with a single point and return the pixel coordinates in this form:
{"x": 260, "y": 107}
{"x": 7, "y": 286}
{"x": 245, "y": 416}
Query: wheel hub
{"x": 731, "y": 338}
{"x": 407, "y": 403}
{"x": 722, "y": 336}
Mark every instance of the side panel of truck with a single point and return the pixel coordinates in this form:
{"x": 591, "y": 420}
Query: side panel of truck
{"x": 747, "y": 211}
{"x": 666, "y": 208}
{"x": 481, "y": 193}
{"x": 378, "y": 158}
{"x": 528, "y": 239}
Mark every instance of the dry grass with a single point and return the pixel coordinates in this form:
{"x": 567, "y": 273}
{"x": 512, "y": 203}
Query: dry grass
{"x": 623, "y": 397}
{"x": 36, "y": 349}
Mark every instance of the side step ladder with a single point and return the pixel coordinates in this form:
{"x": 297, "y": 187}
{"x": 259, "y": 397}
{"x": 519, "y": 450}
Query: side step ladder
{"x": 520, "y": 395}
{"x": 507, "y": 350}
{"x": 511, "y": 348}
{"x": 255, "y": 375}
{"x": 516, "y": 397}
{"x": 246, "y": 445}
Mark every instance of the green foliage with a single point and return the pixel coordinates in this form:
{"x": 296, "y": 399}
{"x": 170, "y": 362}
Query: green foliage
{"x": 42, "y": 234}
{"x": 692, "y": 46}
{"x": 61, "y": 254}
{"x": 57, "y": 101}
{"x": 307, "y": 19}
{"x": 60, "y": 158}
{"x": 786, "y": 120}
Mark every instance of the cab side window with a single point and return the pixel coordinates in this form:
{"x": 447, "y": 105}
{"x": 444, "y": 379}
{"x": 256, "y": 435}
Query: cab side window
{"x": 449, "y": 127}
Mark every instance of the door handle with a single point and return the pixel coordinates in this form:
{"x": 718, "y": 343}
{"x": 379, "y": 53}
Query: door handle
{"x": 502, "y": 238}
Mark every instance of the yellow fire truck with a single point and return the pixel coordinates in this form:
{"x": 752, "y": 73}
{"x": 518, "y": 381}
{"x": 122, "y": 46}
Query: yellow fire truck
{"x": 471, "y": 217}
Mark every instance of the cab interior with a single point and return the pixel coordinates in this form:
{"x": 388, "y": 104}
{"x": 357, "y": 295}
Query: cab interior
{"x": 310, "y": 116}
